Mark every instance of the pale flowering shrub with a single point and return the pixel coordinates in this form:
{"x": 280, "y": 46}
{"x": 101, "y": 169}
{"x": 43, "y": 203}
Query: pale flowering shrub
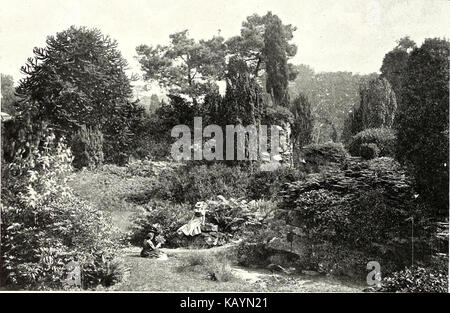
{"x": 45, "y": 226}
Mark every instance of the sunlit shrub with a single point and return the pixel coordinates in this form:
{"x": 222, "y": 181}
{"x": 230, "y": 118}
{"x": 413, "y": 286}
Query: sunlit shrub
{"x": 45, "y": 226}
{"x": 417, "y": 279}
{"x": 383, "y": 138}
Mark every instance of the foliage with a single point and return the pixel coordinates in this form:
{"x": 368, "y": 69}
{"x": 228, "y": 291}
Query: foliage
{"x": 123, "y": 133}
{"x": 45, "y": 226}
{"x": 377, "y": 107}
{"x": 395, "y": 64}
{"x": 196, "y": 183}
{"x": 422, "y": 127}
{"x": 242, "y": 103}
{"x": 332, "y": 96}
{"x": 317, "y": 155}
{"x": 275, "y": 57}
{"x": 233, "y": 215}
{"x": 383, "y": 138}
{"x": 267, "y": 184}
{"x": 7, "y": 92}
{"x": 365, "y": 207}
{"x": 417, "y": 279}
{"x": 87, "y": 148}
{"x": 369, "y": 151}
{"x": 184, "y": 65}
{"x": 79, "y": 79}
{"x": 252, "y": 254}
{"x": 217, "y": 268}
{"x": 251, "y": 44}
{"x": 378, "y": 103}
{"x": 167, "y": 215}
{"x": 302, "y": 125}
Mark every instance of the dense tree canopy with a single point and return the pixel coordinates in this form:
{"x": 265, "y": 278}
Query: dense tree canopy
{"x": 185, "y": 66}
{"x": 395, "y": 64}
{"x": 250, "y": 45}
{"x": 79, "y": 79}
{"x": 333, "y": 96}
{"x": 423, "y": 121}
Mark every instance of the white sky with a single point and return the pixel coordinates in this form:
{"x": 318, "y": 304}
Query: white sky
{"x": 344, "y": 35}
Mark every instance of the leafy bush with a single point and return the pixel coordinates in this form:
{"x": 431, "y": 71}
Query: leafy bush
{"x": 417, "y": 279}
{"x": 365, "y": 207}
{"x": 196, "y": 183}
{"x": 267, "y": 184}
{"x": 383, "y": 138}
{"x": 168, "y": 215}
{"x": 233, "y": 216}
{"x": 87, "y": 148}
{"x": 369, "y": 151}
{"x": 319, "y": 155}
{"x": 45, "y": 226}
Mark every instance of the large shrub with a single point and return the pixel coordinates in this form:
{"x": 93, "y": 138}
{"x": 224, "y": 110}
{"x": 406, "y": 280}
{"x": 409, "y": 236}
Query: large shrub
{"x": 196, "y": 183}
{"x": 45, "y": 226}
{"x": 365, "y": 207}
{"x": 87, "y": 148}
{"x": 166, "y": 216}
{"x": 383, "y": 138}
{"x": 267, "y": 184}
{"x": 417, "y": 279}
{"x": 318, "y": 155}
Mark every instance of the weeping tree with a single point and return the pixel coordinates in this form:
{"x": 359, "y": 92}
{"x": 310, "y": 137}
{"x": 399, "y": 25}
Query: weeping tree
{"x": 377, "y": 107}
{"x": 378, "y": 103}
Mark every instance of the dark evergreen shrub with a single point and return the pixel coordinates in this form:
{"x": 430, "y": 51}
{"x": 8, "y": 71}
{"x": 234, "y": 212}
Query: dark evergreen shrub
{"x": 369, "y": 151}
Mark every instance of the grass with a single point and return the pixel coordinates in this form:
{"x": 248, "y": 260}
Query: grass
{"x": 176, "y": 274}
{"x": 216, "y": 267}
{"x": 185, "y": 270}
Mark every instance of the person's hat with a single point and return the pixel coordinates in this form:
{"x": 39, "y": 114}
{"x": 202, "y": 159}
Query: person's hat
{"x": 152, "y": 230}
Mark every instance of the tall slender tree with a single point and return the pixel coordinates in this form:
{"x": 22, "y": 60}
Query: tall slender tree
{"x": 423, "y": 124}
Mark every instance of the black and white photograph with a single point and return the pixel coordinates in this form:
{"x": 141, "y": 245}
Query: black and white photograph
{"x": 224, "y": 148}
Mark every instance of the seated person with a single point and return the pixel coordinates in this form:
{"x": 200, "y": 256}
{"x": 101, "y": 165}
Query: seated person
{"x": 193, "y": 227}
{"x": 150, "y": 248}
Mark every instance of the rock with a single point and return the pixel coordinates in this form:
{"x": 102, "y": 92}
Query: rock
{"x": 310, "y": 273}
{"x": 297, "y": 246}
